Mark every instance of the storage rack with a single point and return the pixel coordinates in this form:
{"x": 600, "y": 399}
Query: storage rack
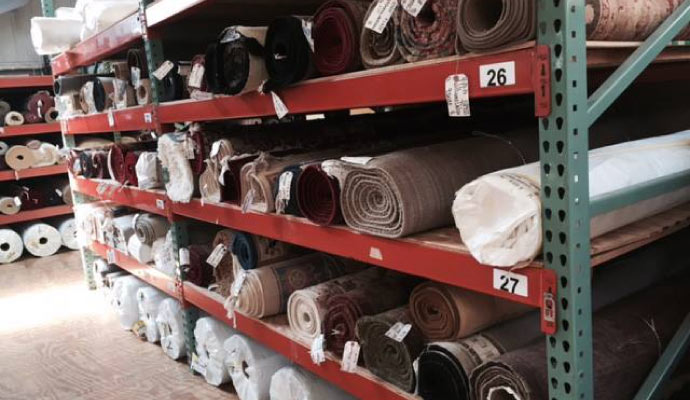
{"x": 15, "y": 82}
{"x": 554, "y": 70}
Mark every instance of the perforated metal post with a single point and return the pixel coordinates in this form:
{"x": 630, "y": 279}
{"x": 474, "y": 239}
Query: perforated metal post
{"x": 191, "y": 313}
{"x": 563, "y": 143}
{"x": 154, "y": 53}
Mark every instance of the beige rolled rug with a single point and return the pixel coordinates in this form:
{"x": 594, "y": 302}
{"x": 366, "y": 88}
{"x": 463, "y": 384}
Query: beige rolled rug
{"x": 20, "y": 157}
{"x": 14, "y": 118}
{"x": 10, "y": 205}
{"x": 143, "y": 92}
{"x": 379, "y": 49}
{"x": 209, "y": 186}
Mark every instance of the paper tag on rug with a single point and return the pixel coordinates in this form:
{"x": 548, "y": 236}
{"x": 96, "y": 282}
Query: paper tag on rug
{"x": 306, "y": 28}
{"x": 184, "y": 256}
{"x": 111, "y": 118}
{"x": 380, "y": 15}
{"x": 237, "y": 284}
{"x": 135, "y": 73}
{"x": 398, "y": 331}
{"x": 196, "y": 77}
{"x": 350, "y": 356}
{"x": 163, "y": 70}
{"x": 160, "y": 204}
{"x": 17, "y": 201}
{"x": 217, "y": 255}
{"x": 215, "y": 148}
{"x": 197, "y": 365}
{"x": 316, "y": 350}
{"x": 458, "y": 95}
{"x": 284, "y": 185}
{"x": 188, "y": 148}
{"x": 248, "y": 200}
{"x": 413, "y": 7}
{"x": 280, "y": 107}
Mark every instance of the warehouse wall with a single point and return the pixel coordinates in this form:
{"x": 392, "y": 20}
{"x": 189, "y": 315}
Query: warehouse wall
{"x": 16, "y": 51}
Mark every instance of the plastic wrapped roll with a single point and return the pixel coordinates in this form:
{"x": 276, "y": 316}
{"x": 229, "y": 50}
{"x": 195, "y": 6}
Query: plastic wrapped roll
{"x": 210, "y": 335}
{"x": 251, "y": 366}
{"x": 143, "y": 92}
{"x": 11, "y": 246}
{"x": 148, "y": 301}
{"x": 124, "y": 294}
{"x": 171, "y": 152}
{"x": 45, "y": 154}
{"x": 99, "y": 15}
{"x": 41, "y": 240}
{"x": 54, "y": 35}
{"x": 138, "y": 250}
{"x": 109, "y": 284}
{"x": 148, "y": 170}
{"x": 150, "y": 227}
{"x": 68, "y": 232}
{"x": 14, "y": 118}
{"x": 336, "y": 30}
{"x": 100, "y": 269}
{"x": 431, "y": 34}
{"x": 163, "y": 256}
{"x": 318, "y": 196}
{"x": 103, "y": 89}
{"x": 288, "y": 54}
{"x": 170, "y": 322}
{"x": 293, "y": 383}
{"x": 253, "y": 251}
{"x": 379, "y": 50}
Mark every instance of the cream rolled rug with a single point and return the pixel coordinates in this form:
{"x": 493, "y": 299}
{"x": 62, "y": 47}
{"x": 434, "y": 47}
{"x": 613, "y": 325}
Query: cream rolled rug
{"x": 40, "y": 239}
{"x": 251, "y": 367}
{"x": 210, "y": 335}
{"x": 11, "y": 246}
{"x": 163, "y": 256}
{"x": 409, "y": 191}
{"x": 138, "y": 250}
{"x": 69, "y": 234}
{"x": 14, "y": 118}
{"x": 150, "y": 227}
{"x": 170, "y": 322}
{"x": 294, "y": 383}
{"x": 10, "y": 205}
{"x": 148, "y": 171}
{"x": 148, "y": 301}
{"x": 20, "y": 157}
{"x": 54, "y": 35}
{"x": 122, "y": 230}
{"x": 124, "y": 295}
{"x": 171, "y": 153}
{"x": 109, "y": 284}
{"x": 45, "y": 154}
{"x": 499, "y": 215}
{"x": 209, "y": 186}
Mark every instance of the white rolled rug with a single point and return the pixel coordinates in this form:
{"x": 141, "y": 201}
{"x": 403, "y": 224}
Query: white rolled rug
{"x": 40, "y": 239}
{"x": 20, "y": 157}
{"x": 45, "y": 154}
{"x": 148, "y": 171}
{"x": 10, "y": 205}
{"x": 293, "y": 383}
{"x": 171, "y": 153}
{"x": 68, "y": 232}
{"x": 210, "y": 334}
{"x": 14, "y": 118}
{"x": 124, "y": 295}
{"x": 163, "y": 256}
{"x": 109, "y": 284}
{"x": 148, "y": 301}
{"x": 251, "y": 367}
{"x": 170, "y": 322}
{"x": 11, "y": 246}
{"x": 140, "y": 251}
{"x": 123, "y": 229}
{"x": 499, "y": 214}
{"x": 149, "y": 227}
{"x": 100, "y": 269}
{"x": 54, "y": 35}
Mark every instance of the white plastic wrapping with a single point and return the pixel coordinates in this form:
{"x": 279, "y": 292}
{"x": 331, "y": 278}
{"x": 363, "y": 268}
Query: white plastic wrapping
{"x": 41, "y": 240}
{"x": 68, "y": 233}
{"x": 109, "y": 284}
{"x": 293, "y": 383}
{"x": 140, "y": 251}
{"x": 54, "y": 35}
{"x": 122, "y": 230}
{"x": 11, "y": 246}
{"x": 124, "y": 295}
{"x": 210, "y": 334}
{"x": 147, "y": 170}
{"x": 170, "y": 326}
{"x": 171, "y": 152}
{"x": 45, "y": 154}
{"x": 499, "y": 215}
{"x": 163, "y": 256}
{"x": 148, "y": 301}
{"x": 99, "y": 15}
{"x": 251, "y": 367}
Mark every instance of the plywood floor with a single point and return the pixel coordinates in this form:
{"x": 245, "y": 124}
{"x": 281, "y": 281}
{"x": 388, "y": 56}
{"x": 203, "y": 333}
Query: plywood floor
{"x": 59, "y": 341}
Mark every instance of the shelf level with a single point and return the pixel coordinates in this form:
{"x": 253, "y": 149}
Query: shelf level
{"x": 46, "y": 212}
{"x": 29, "y": 129}
{"x": 153, "y": 201}
{"x": 130, "y": 119}
{"x": 26, "y": 81}
{"x": 12, "y": 175}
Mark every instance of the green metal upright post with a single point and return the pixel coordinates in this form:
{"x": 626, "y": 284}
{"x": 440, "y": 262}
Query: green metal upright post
{"x": 563, "y": 140}
{"x": 48, "y": 8}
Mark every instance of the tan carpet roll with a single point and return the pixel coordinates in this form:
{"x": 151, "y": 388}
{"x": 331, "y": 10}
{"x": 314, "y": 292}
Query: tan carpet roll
{"x": 14, "y": 118}
{"x": 20, "y": 157}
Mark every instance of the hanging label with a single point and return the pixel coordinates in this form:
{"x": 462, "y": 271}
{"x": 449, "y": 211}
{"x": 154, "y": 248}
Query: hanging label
{"x": 197, "y": 365}
{"x": 147, "y": 118}
{"x": 280, "y": 107}
{"x": 510, "y": 282}
{"x": 350, "y": 356}
{"x": 163, "y": 70}
{"x": 184, "y": 256}
{"x": 499, "y": 74}
{"x": 398, "y": 331}
{"x": 316, "y": 350}
{"x": 284, "y": 184}
{"x": 215, "y": 148}
{"x": 160, "y": 204}
{"x": 217, "y": 255}
{"x": 111, "y": 118}
{"x": 196, "y": 77}
{"x": 375, "y": 253}
{"x": 135, "y": 73}
{"x": 110, "y": 256}
{"x": 380, "y": 15}
{"x": 248, "y": 200}
{"x": 413, "y": 7}
{"x": 17, "y": 201}
{"x": 306, "y": 28}
{"x": 237, "y": 284}
{"x": 357, "y": 160}
{"x": 458, "y": 95}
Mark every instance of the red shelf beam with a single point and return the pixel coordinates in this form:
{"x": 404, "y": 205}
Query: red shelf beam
{"x": 152, "y": 201}
{"x": 29, "y": 129}
{"x": 26, "y": 81}
{"x": 46, "y": 212}
{"x": 12, "y": 175}
{"x": 130, "y": 119}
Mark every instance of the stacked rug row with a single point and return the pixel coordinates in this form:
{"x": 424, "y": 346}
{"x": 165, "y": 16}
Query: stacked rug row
{"x": 36, "y": 108}
{"x": 37, "y": 194}
{"x": 38, "y": 238}
{"x": 31, "y": 154}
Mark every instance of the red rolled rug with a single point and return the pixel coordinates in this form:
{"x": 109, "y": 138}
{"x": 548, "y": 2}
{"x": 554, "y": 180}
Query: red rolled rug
{"x": 336, "y": 31}
{"x": 318, "y": 196}
{"x": 431, "y": 34}
{"x": 116, "y": 163}
{"x": 37, "y": 106}
{"x": 199, "y": 272}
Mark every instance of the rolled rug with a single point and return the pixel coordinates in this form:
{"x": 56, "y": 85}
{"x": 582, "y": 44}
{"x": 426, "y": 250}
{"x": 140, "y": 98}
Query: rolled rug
{"x": 499, "y": 214}
{"x": 223, "y": 272}
{"x": 131, "y": 159}
{"x": 171, "y": 152}
{"x": 230, "y": 178}
{"x": 444, "y": 312}
{"x": 241, "y": 60}
{"x": 122, "y": 230}
{"x": 294, "y": 383}
{"x": 41, "y": 240}
{"x": 87, "y": 101}
{"x": 39, "y": 103}
{"x": 289, "y": 58}
{"x": 20, "y": 157}
{"x": 379, "y": 49}
{"x": 68, "y": 233}
{"x": 199, "y": 272}
{"x": 11, "y": 246}
{"x": 116, "y": 163}
{"x": 66, "y": 193}
{"x": 625, "y": 21}
{"x": 625, "y": 344}
{"x": 336, "y": 30}
{"x": 170, "y": 322}
{"x": 251, "y": 366}
{"x": 431, "y": 34}
{"x": 5, "y": 107}
{"x": 3, "y": 150}
{"x": 318, "y": 196}
{"x": 138, "y": 250}
{"x": 123, "y": 94}
{"x": 285, "y": 192}
{"x": 28, "y": 198}
{"x": 103, "y": 89}
{"x": 163, "y": 256}
{"x": 31, "y": 118}
{"x": 51, "y": 115}
{"x": 14, "y": 118}
{"x": 143, "y": 92}
{"x": 209, "y": 336}
{"x": 410, "y": 191}
{"x": 148, "y": 170}
{"x": 138, "y": 66}
{"x": 150, "y": 227}
{"x": 109, "y": 284}
{"x": 148, "y": 301}
{"x": 45, "y": 155}
{"x": 202, "y": 142}
{"x": 387, "y": 358}
{"x": 172, "y": 85}
{"x": 124, "y": 295}
{"x": 66, "y": 84}
{"x": 10, "y": 205}
{"x": 265, "y": 291}
{"x": 253, "y": 251}
{"x": 444, "y": 367}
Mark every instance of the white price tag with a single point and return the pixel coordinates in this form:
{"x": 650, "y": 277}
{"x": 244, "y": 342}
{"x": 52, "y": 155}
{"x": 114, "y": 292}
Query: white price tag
{"x": 58, "y": 192}
{"x": 413, "y": 7}
{"x": 189, "y": 148}
{"x": 306, "y": 28}
{"x": 196, "y": 77}
{"x": 375, "y": 253}
{"x": 217, "y": 255}
{"x": 100, "y": 189}
{"x": 316, "y": 350}
{"x": 215, "y": 148}
{"x": 284, "y": 184}
{"x": 380, "y": 15}
{"x": 135, "y": 73}
{"x": 350, "y": 356}
{"x": 248, "y": 200}
{"x": 280, "y": 107}
{"x": 510, "y": 282}
{"x": 184, "y": 256}
{"x": 163, "y": 70}
{"x": 398, "y": 331}
{"x": 111, "y": 118}
{"x": 499, "y": 74}
{"x": 160, "y": 204}
{"x": 147, "y": 118}
{"x": 458, "y": 95}
{"x": 17, "y": 201}
{"x": 237, "y": 284}
{"x": 110, "y": 255}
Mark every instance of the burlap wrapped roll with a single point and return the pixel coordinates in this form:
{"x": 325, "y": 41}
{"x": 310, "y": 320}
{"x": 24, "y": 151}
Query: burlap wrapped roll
{"x": 209, "y": 186}
{"x": 199, "y": 272}
{"x": 288, "y": 55}
{"x": 223, "y": 272}
{"x": 336, "y": 31}
{"x": 444, "y": 312}
{"x": 253, "y": 251}
{"x": 387, "y": 358}
{"x": 170, "y": 322}
{"x": 379, "y": 49}
{"x": 318, "y": 196}
{"x": 14, "y": 118}
{"x": 209, "y": 336}
{"x": 429, "y": 35}
{"x": 251, "y": 366}
{"x": 266, "y": 290}
{"x": 11, "y": 246}
{"x": 171, "y": 152}
{"x": 150, "y": 227}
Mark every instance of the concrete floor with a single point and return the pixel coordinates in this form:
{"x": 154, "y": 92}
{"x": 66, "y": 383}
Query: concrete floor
{"x": 60, "y": 341}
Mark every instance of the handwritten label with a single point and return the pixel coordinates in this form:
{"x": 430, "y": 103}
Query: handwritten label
{"x": 380, "y": 15}
{"x": 350, "y": 356}
{"x": 163, "y": 70}
{"x": 196, "y": 77}
{"x": 495, "y": 75}
{"x": 458, "y": 95}
{"x": 280, "y": 107}
{"x": 510, "y": 282}
{"x": 398, "y": 331}
{"x": 217, "y": 255}
{"x": 413, "y": 7}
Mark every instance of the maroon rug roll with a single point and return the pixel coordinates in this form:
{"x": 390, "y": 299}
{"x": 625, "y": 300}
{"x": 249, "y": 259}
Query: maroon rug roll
{"x": 198, "y": 271}
{"x": 99, "y": 162}
{"x": 231, "y": 190}
{"x": 318, "y": 196}
{"x": 200, "y": 152}
{"x": 31, "y": 198}
{"x": 116, "y": 163}
{"x": 336, "y": 31}
{"x": 31, "y": 118}
{"x": 37, "y": 105}
{"x": 131, "y": 159}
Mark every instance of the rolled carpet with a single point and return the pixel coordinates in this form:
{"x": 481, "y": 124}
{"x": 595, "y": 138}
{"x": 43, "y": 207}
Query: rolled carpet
{"x": 628, "y": 21}
{"x": 171, "y": 152}
{"x": 11, "y": 246}
{"x": 51, "y": 115}
{"x": 410, "y": 191}
{"x": 209, "y": 336}
{"x": 199, "y": 272}
{"x": 431, "y": 34}
{"x": 136, "y": 61}
{"x": 253, "y": 251}
{"x": 318, "y": 196}
{"x": 173, "y": 85}
{"x": 483, "y": 25}
{"x": 68, "y": 232}
{"x": 223, "y": 272}
{"x": 143, "y": 92}
{"x": 10, "y": 205}
{"x": 387, "y": 358}
{"x": 66, "y": 84}
{"x": 170, "y": 322}
{"x": 209, "y": 186}
{"x": 3, "y": 149}
{"x": 14, "y": 118}
{"x": 288, "y": 55}
{"x": 230, "y": 178}
{"x": 265, "y": 291}
{"x": 138, "y": 250}
{"x": 251, "y": 366}
{"x": 150, "y": 227}
{"x": 131, "y": 159}
{"x": 294, "y": 383}
{"x": 124, "y": 295}
{"x": 285, "y": 192}
{"x": 103, "y": 89}
{"x": 336, "y": 31}
{"x": 40, "y": 239}
{"x": 379, "y": 49}
{"x": 20, "y": 157}
{"x": 45, "y": 154}
{"x": 116, "y": 163}
{"x": 241, "y": 59}
{"x": 39, "y": 103}
{"x": 31, "y": 118}
{"x": 148, "y": 301}
{"x": 148, "y": 171}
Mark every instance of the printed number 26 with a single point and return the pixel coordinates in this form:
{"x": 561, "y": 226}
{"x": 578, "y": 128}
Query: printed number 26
{"x": 497, "y": 77}
{"x": 508, "y": 284}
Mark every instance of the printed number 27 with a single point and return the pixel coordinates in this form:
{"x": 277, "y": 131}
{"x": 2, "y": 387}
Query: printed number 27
{"x": 497, "y": 77}
{"x": 508, "y": 284}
